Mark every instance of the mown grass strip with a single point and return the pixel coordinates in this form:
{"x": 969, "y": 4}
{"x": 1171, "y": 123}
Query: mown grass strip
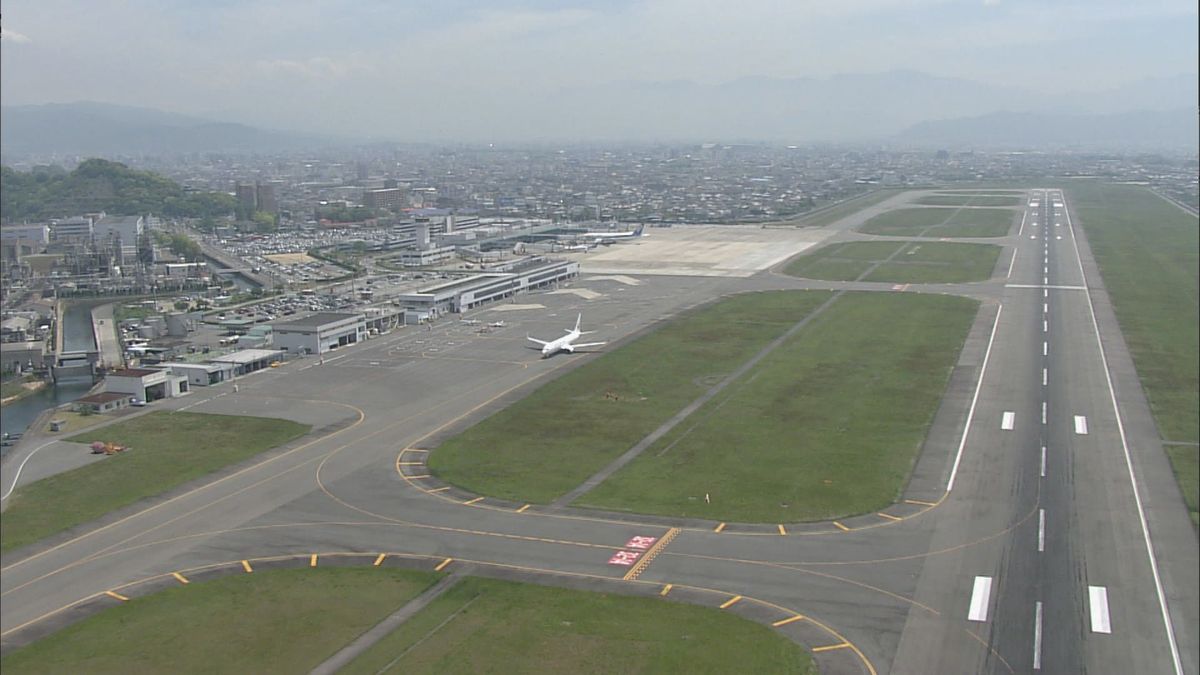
{"x": 491, "y": 626}
{"x": 551, "y": 441}
{"x": 968, "y": 200}
{"x": 942, "y": 222}
{"x": 828, "y": 425}
{"x": 931, "y": 262}
{"x": 167, "y": 449}
{"x": 281, "y": 621}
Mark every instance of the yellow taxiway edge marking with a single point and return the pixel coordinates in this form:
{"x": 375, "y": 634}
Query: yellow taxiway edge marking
{"x": 782, "y": 530}
{"x": 410, "y": 463}
{"x": 729, "y": 603}
{"x": 180, "y": 578}
{"x": 666, "y": 589}
{"x": 412, "y": 450}
{"x": 790, "y": 619}
{"x": 826, "y": 648}
{"x": 522, "y": 509}
{"x": 918, "y": 501}
{"x": 841, "y": 527}
{"x": 719, "y": 528}
{"x": 442, "y": 565}
{"x": 312, "y": 562}
{"x": 441, "y": 489}
{"x": 472, "y": 501}
{"x": 889, "y": 516}
{"x": 379, "y": 560}
{"x": 114, "y": 594}
{"x": 424, "y": 475}
{"x": 246, "y": 566}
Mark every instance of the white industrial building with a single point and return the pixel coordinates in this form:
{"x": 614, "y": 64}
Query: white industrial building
{"x": 146, "y": 384}
{"x": 319, "y": 333}
{"x": 247, "y": 361}
{"x": 203, "y": 374}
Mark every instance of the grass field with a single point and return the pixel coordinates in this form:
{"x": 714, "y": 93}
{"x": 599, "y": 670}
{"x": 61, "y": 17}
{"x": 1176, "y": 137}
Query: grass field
{"x": 941, "y": 222}
{"x": 828, "y": 425}
{"x": 931, "y": 262}
{"x": 549, "y": 442}
{"x": 968, "y": 200}
{"x": 980, "y": 192}
{"x": 167, "y": 449}
{"x": 282, "y": 621}
{"x": 833, "y": 214}
{"x": 1148, "y": 251}
{"x": 489, "y": 626}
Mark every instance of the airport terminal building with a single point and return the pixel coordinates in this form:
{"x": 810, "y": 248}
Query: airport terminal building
{"x": 461, "y": 295}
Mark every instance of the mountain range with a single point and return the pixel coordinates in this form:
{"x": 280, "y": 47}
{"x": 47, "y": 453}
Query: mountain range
{"x": 894, "y": 107}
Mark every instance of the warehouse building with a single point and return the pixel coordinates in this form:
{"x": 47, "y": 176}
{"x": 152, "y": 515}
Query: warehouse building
{"x": 248, "y": 361}
{"x": 146, "y": 384}
{"x": 319, "y": 333}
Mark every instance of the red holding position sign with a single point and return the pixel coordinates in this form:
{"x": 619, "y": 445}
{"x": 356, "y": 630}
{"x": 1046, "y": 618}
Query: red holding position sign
{"x": 624, "y": 558}
{"x": 641, "y": 543}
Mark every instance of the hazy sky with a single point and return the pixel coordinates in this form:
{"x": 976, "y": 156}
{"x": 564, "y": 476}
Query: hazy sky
{"x": 340, "y": 65}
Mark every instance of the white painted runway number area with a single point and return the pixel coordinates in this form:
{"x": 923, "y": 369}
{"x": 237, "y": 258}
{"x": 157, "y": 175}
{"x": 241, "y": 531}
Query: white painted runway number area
{"x": 1081, "y": 425}
{"x": 980, "y": 598}
{"x": 1098, "y": 601}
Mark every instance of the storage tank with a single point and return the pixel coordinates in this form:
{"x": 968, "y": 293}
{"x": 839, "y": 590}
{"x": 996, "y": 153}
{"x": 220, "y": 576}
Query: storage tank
{"x": 177, "y": 325}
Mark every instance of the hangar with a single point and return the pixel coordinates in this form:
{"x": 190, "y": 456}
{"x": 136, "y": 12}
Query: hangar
{"x": 319, "y": 333}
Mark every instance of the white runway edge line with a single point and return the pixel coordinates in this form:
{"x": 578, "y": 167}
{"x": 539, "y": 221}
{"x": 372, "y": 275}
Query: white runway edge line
{"x": 1098, "y": 603}
{"x": 1081, "y": 425}
{"x": 980, "y": 596}
{"x": 1007, "y": 421}
{"x": 1041, "y": 530}
{"x": 962, "y": 443}
{"x": 1037, "y": 636}
{"x": 1137, "y": 499}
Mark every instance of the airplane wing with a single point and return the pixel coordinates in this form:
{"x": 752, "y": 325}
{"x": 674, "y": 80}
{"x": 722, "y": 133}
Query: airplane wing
{"x": 585, "y": 344}
{"x": 533, "y": 339}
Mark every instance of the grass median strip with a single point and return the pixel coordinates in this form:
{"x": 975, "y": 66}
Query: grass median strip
{"x": 826, "y": 426}
{"x": 551, "y": 441}
{"x": 1148, "y": 251}
{"x": 282, "y": 621}
{"x": 912, "y": 263}
{"x": 941, "y": 222}
{"x": 968, "y": 200}
{"x": 486, "y": 625}
{"x": 167, "y": 449}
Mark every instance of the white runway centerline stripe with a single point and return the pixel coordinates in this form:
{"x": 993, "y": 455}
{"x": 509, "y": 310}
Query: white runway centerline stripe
{"x": 1045, "y": 376}
{"x": 979, "y": 599}
{"x": 1081, "y": 425}
{"x": 1037, "y": 636}
{"x": 1043, "y": 461}
{"x": 1041, "y": 530}
{"x": 1098, "y": 599}
{"x": 1006, "y": 422}
{"x": 1045, "y": 326}
{"x": 1045, "y": 308}
{"x": 1043, "y": 412}
{"x": 1045, "y": 348}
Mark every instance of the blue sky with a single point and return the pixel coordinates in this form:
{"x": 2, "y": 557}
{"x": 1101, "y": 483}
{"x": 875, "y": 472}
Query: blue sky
{"x": 304, "y": 63}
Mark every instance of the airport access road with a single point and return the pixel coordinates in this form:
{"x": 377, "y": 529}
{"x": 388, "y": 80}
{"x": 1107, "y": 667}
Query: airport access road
{"x": 898, "y": 588}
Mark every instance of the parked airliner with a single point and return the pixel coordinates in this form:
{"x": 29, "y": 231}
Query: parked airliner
{"x": 565, "y": 343}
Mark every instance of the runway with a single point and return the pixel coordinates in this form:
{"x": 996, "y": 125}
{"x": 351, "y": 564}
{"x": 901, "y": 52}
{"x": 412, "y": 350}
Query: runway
{"x": 891, "y": 593}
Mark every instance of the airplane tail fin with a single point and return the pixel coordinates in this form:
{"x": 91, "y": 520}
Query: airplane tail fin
{"x": 638, "y": 231}
{"x": 578, "y": 321}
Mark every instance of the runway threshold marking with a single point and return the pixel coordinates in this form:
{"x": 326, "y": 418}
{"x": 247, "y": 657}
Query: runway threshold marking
{"x": 379, "y": 560}
{"x": 889, "y": 516}
{"x": 731, "y": 602}
{"x": 1098, "y": 602}
{"x": 826, "y": 648}
{"x": 246, "y": 566}
{"x": 666, "y": 589}
{"x": 980, "y": 596}
{"x": 1081, "y": 425}
{"x": 312, "y": 562}
{"x": 790, "y": 619}
{"x": 841, "y": 527}
{"x": 118, "y": 596}
{"x": 180, "y": 578}
{"x": 719, "y": 528}
{"x": 472, "y": 501}
{"x": 640, "y": 566}
{"x": 442, "y": 565}
{"x": 1008, "y": 421}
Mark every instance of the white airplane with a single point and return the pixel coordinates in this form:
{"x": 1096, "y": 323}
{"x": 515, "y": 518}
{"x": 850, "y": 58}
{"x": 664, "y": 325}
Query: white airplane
{"x": 578, "y": 247}
{"x": 565, "y": 343}
{"x": 469, "y": 322}
{"x": 496, "y": 324}
{"x": 612, "y": 237}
